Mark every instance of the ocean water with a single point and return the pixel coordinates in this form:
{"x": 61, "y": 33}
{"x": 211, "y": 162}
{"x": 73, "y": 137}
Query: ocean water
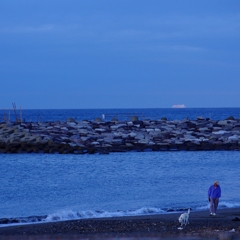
{"x": 45, "y": 115}
{"x": 54, "y": 187}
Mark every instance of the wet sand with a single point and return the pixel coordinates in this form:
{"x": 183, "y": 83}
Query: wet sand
{"x": 225, "y": 225}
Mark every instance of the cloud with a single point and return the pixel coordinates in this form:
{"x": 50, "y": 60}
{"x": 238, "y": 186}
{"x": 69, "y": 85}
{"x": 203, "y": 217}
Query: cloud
{"x": 205, "y": 93}
{"x": 28, "y": 29}
{"x": 197, "y": 26}
{"x": 137, "y": 28}
{"x": 181, "y": 48}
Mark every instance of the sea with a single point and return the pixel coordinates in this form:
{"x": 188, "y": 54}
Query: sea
{"x": 55, "y": 187}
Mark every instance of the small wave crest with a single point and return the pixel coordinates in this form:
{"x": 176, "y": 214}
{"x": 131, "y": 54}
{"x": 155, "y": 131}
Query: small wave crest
{"x": 64, "y": 215}
{"x": 228, "y": 205}
{"x": 20, "y": 220}
{"x": 69, "y": 214}
{"x": 222, "y": 205}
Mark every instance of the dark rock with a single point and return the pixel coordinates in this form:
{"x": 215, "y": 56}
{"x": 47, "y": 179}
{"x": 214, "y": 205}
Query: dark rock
{"x": 71, "y": 120}
{"x": 230, "y": 118}
{"x": 191, "y": 125}
{"x": 134, "y": 118}
{"x": 4, "y": 220}
{"x": 91, "y": 150}
{"x": 114, "y": 120}
{"x": 98, "y": 120}
{"x": 139, "y": 123}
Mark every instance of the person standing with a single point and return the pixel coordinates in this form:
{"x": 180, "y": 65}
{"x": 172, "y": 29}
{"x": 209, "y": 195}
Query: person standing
{"x": 214, "y": 193}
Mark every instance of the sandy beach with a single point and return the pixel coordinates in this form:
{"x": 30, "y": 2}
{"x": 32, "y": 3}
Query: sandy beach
{"x": 225, "y": 225}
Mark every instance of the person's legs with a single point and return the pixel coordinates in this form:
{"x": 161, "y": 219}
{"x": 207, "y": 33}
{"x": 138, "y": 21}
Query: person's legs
{"x": 216, "y": 201}
{"x": 211, "y": 205}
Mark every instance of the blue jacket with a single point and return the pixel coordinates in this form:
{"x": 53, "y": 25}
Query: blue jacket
{"x": 214, "y": 192}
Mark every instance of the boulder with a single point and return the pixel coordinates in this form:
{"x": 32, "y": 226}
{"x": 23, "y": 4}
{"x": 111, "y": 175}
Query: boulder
{"x": 71, "y": 120}
{"x": 98, "y": 120}
{"x": 134, "y": 118}
{"x": 114, "y": 120}
{"x": 230, "y": 118}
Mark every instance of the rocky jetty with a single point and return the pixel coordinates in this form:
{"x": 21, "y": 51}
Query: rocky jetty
{"x": 79, "y": 137}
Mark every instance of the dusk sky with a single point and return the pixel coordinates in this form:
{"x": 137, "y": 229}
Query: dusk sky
{"x": 119, "y": 53}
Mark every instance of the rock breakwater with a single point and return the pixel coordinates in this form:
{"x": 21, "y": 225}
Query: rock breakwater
{"x": 119, "y": 136}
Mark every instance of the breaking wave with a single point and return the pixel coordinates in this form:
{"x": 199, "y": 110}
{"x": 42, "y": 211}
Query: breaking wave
{"x": 64, "y": 215}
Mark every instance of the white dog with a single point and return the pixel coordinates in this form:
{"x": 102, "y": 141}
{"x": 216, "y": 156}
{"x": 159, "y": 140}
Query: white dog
{"x": 183, "y": 219}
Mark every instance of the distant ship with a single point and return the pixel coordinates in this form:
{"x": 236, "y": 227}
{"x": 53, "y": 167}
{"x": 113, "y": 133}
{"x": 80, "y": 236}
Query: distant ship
{"x": 179, "y": 106}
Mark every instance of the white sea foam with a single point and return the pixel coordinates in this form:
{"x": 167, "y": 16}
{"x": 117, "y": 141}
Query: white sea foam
{"x": 202, "y": 208}
{"x": 70, "y": 214}
{"x": 228, "y": 205}
{"x": 222, "y": 204}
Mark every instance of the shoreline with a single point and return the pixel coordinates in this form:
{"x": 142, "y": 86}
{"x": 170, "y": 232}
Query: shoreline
{"x": 201, "y": 225}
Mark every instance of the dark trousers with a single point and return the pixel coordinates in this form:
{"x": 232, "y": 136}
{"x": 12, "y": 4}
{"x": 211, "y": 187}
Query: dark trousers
{"x": 214, "y": 204}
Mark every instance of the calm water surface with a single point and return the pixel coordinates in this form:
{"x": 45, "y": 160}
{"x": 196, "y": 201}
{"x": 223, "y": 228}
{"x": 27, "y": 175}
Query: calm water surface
{"x": 118, "y": 184}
